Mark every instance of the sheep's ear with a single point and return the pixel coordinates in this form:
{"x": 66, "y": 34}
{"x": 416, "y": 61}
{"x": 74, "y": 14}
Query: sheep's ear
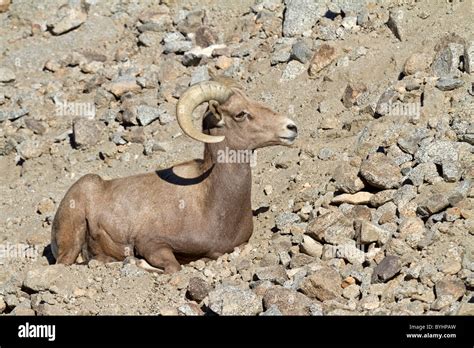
{"x": 215, "y": 108}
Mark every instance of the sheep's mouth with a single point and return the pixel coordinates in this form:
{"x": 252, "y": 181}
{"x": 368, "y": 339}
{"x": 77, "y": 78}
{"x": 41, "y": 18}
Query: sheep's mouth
{"x": 288, "y": 140}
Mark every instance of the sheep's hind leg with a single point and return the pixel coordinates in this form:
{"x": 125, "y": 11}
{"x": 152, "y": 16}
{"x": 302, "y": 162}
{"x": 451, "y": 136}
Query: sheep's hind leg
{"x": 159, "y": 256}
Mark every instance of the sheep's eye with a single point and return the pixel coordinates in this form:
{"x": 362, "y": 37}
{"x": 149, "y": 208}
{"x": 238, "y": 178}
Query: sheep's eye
{"x": 241, "y": 116}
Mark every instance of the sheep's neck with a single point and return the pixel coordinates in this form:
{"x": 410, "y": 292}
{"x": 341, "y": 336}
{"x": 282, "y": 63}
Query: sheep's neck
{"x": 230, "y": 179}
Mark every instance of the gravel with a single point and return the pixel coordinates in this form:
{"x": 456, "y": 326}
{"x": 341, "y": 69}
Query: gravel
{"x": 7, "y": 75}
{"x": 380, "y": 171}
{"x": 386, "y": 269}
{"x": 230, "y": 300}
{"x": 324, "y": 285}
{"x": 369, "y": 212}
{"x": 300, "y": 16}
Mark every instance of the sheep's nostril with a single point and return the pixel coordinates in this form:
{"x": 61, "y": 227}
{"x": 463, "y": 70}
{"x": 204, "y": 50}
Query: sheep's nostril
{"x": 292, "y": 127}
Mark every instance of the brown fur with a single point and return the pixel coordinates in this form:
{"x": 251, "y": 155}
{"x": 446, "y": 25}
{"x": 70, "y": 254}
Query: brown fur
{"x": 196, "y": 209}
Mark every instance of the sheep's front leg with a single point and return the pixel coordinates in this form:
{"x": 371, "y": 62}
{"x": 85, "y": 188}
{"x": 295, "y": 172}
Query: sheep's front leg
{"x": 160, "y": 256}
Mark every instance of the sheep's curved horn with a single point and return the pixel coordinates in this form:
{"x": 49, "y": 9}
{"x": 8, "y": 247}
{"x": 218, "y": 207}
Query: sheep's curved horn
{"x": 192, "y": 98}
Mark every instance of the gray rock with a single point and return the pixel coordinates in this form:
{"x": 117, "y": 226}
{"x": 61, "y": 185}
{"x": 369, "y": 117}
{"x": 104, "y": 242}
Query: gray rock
{"x": 71, "y": 17}
{"x": 397, "y": 23}
{"x": 281, "y": 56}
{"x": 398, "y": 156}
{"x": 272, "y": 311}
{"x": 388, "y": 268}
{"x": 404, "y": 195}
{"x": 117, "y": 138}
{"x": 190, "y": 309}
{"x": 287, "y": 301}
{"x": 350, "y": 252}
{"x": 13, "y": 115}
{"x": 158, "y": 23}
{"x": 165, "y": 116}
{"x": 369, "y": 302}
{"x": 197, "y": 289}
{"x": 468, "y": 138}
{"x": 437, "y": 152}
{"x": 292, "y": 71}
{"x": 450, "y": 287}
{"x": 300, "y": 260}
{"x": 461, "y": 127}
{"x": 300, "y": 16}
{"x": 469, "y": 57}
{"x": 199, "y": 74}
{"x": 323, "y": 285}
{"x": 45, "y": 278}
{"x": 409, "y": 143}
{"x": 177, "y": 46}
{"x": 351, "y": 7}
{"x": 286, "y": 220}
{"x": 326, "y": 154}
{"x": 332, "y": 227}
{"x": 147, "y": 114}
{"x": 301, "y": 52}
{"x": 31, "y": 148}
{"x": 346, "y": 178}
{"x": 282, "y": 51}
{"x": 173, "y": 36}
{"x": 327, "y": 30}
{"x": 7, "y": 75}
{"x": 423, "y": 172}
{"x": 451, "y": 171}
{"x": 446, "y": 60}
{"x": 275, "y": 274}
{"x": 382, "y": 197}
{"x": 149, "y": 39}
{"x": 370, "y": 233}
{"x": 191, "y": 22}
{"x": 432, "y": 205}
{"x": 449, "y": 83}
{"x": 231, "y": 300}
{"x": 442, "y": 302}
{"x": 36, "y": 126}
{"x": 386, "y": 213}
{"x": 349, "y": 22}
{"x": 380, "y": 171}
{"x": 435, "y": 198}
{"x": 86, "y": 132}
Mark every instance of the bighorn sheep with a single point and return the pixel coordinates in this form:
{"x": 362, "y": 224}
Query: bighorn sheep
{"x": 197, "y": 209}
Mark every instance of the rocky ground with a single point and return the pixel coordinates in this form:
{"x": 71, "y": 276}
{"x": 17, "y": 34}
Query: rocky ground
{"x": 371, "y": 212}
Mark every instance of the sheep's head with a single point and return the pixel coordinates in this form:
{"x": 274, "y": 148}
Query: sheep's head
{"x": 244, "y": 123}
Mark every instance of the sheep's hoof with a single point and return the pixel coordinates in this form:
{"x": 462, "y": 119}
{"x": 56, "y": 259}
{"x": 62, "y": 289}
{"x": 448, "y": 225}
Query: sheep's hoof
{"x": 147, "y": 267}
